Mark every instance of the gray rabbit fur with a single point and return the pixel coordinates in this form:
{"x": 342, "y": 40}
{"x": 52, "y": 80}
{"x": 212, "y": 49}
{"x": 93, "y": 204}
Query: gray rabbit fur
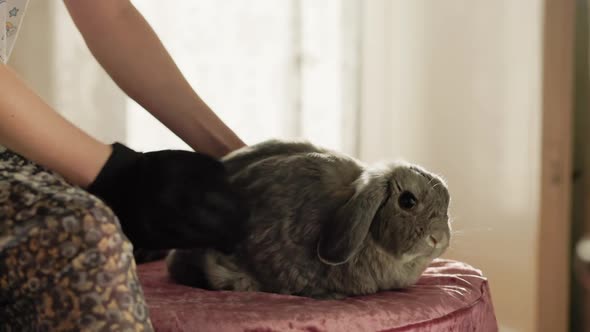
{"x": 324, "y": 225}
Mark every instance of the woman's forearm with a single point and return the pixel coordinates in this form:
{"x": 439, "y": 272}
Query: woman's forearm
{"x": 28, "y": 126}
{"x": 129, "y": 50}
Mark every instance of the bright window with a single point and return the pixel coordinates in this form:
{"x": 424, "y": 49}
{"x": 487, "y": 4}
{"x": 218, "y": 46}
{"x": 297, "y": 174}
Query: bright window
{"x": 265, "y": 70}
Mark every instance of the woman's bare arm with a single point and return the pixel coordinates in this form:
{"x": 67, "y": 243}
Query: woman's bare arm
{"x": 30, "y": 127}
{"x": 129, "y": 50}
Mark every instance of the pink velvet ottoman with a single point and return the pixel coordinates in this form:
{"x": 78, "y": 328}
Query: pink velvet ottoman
{"x": 450, "y": 296}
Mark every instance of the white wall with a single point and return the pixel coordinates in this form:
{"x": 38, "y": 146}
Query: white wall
{"x": 455, "y": 86}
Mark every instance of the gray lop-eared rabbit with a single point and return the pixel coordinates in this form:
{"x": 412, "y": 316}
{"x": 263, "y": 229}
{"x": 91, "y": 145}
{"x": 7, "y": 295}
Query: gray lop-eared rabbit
{"x": 324, "y": 225}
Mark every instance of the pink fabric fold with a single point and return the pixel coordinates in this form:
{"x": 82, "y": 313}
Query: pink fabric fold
{"x": 450, "y": 296}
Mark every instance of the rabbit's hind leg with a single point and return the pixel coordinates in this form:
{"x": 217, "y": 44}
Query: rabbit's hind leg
{"x": 187, "y": 267}
{"x": 223, "y": 273}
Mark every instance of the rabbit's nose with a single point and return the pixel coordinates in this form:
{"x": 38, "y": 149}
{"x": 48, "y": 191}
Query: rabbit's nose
{"x": 437, "y": 239}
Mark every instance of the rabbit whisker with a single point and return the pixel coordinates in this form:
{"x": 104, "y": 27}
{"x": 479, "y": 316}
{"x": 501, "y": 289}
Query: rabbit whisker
{"x": 432, "y": 188}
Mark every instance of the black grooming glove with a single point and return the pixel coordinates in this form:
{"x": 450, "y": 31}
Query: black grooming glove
{"x": 170, "y": 199}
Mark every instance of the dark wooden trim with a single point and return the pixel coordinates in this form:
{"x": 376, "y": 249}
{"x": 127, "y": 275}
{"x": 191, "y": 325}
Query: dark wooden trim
{"x": 556, "y": 164}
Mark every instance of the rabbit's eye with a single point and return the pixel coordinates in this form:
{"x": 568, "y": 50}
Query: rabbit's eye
{"x": 407, "y": 200}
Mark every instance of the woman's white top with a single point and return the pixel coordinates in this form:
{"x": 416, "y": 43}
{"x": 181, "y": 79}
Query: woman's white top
{"x": 11, "y": 16}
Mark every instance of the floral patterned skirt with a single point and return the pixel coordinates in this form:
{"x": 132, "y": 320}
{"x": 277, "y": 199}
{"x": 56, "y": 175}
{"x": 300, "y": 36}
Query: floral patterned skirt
{"x": 65, "y": 264}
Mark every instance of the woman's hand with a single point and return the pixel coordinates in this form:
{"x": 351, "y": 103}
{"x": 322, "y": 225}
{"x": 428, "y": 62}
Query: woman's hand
{"x": 166, "y": 199}
{"x": 170, "y": 199}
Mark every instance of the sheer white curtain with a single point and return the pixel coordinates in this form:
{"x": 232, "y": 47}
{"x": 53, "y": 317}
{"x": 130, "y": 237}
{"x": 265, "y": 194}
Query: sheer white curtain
{"x": 269, "y": 68}
{"x": 236, "y": 54}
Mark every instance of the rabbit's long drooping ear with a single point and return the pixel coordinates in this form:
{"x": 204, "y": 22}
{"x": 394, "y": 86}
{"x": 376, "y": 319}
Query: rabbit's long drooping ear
{"x": 343, "y": 234}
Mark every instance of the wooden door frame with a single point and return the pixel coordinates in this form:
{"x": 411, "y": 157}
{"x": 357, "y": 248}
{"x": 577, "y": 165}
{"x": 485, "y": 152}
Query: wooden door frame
{"x": 556, "y": 166}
